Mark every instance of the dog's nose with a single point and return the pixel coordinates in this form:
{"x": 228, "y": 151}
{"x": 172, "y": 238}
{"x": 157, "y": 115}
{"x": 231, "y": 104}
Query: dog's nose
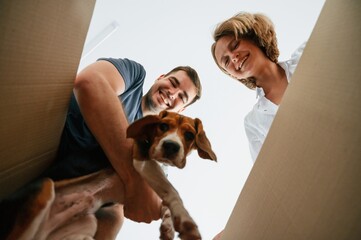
{"x": 170, "y": 147}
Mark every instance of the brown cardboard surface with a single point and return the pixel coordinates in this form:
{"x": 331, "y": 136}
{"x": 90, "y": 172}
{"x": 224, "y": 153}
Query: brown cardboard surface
{"x": 40, "y": 48}
{"x": 306, "y": 181}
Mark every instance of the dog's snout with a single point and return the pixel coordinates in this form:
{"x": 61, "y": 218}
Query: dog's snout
{"x": 170, "y": 147}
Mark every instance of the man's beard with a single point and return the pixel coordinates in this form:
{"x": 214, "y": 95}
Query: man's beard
{"x": 148, "y": 103}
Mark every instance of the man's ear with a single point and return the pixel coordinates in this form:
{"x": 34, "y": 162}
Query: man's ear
{"x": 160, "y": 77}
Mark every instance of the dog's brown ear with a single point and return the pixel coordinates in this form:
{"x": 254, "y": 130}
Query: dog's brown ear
{"x": 203, "y": 145}
{"x": 137, "y": 128}
{"x": 163, "y": 114}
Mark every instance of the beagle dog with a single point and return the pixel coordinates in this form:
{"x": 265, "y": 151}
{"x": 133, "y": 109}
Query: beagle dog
{"x": 168, "y": 139}
{"x": 87, "y": 207}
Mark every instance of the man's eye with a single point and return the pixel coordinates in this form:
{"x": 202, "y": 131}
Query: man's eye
{"x": 189, "y": 136}
{"x": 173, "y": 83}
{"x": 163, "y": 127}
{"x": 182, "y": 98}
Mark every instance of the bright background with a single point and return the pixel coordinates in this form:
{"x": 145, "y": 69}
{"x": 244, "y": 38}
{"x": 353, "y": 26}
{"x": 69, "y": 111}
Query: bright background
{"x": 161, "y": 35}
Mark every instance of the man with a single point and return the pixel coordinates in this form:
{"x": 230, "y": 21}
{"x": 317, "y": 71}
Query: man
{"x": 107, "y": 97}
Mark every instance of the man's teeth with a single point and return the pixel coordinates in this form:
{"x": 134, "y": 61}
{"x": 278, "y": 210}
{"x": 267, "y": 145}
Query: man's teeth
{"x": 165, "y": 100}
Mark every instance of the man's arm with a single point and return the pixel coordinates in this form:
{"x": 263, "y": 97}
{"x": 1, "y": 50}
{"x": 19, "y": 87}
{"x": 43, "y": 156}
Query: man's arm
{"x": 96, "y": 89}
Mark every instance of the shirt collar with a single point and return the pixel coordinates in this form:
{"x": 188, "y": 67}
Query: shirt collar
{"x": 259, "y": 92}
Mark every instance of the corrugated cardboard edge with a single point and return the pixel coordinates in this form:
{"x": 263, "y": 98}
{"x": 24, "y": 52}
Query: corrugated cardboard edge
{"x": 41, "y": 43}
{"x": 305, "y": 183}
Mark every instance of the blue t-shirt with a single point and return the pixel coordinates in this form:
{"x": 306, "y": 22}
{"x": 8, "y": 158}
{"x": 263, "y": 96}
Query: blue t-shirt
{"x": 79, "y": 152}
{"x": 133, "y": 74}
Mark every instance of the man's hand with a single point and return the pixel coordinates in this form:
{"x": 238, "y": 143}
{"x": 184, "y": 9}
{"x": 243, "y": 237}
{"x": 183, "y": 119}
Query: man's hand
{"x": 141, "y": 204}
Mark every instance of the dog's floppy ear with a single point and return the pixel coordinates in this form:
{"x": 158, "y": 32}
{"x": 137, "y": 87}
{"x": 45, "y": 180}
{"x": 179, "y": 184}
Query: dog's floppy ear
{"x": 163, "y": 114}
{"x": 203, "y": 145}
{"x": 137, "y": 128}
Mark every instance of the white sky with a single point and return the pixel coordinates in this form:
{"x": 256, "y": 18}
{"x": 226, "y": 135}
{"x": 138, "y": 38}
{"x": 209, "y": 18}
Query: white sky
{"x": 162, "y": 34}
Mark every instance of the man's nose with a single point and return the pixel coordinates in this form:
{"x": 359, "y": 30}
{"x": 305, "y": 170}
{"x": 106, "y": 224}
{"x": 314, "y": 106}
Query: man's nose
{"x": 172, "y": 93}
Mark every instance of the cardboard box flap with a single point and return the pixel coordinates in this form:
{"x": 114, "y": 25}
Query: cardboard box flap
{"x": 41, "y": 43}
{"x": 305, "y": 183}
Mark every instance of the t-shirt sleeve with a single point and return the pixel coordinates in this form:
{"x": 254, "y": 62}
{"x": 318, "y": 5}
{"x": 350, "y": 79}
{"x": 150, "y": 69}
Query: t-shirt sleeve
{"x": 132, "y": 72}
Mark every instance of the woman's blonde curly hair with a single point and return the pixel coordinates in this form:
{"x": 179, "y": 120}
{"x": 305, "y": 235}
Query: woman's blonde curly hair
{"x": 255, "y": 27}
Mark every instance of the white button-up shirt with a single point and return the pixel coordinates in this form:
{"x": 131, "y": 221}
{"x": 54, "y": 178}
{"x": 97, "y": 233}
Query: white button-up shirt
{"x": 258, "y": 121}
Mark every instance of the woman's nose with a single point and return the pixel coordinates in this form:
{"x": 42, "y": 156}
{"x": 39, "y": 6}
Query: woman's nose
{"x": 235, "y": 57}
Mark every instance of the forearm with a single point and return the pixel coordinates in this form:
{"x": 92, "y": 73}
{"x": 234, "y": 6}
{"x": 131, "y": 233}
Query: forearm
{"x": 105, "y": 117}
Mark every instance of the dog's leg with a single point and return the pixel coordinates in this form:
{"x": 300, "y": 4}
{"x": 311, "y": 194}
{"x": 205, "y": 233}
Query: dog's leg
{"x": 47, "y": 207}
{"x": 70, "y": 231}
{"x": 105, "y": 185}
{"x": 166, "y": 227}
{"x": 67, "y": 210}
{"x": 183, "y": 223}
{"x": 81, "y": 197}
{"x": 110, "y": 220}
{"x": 34, "y": 212}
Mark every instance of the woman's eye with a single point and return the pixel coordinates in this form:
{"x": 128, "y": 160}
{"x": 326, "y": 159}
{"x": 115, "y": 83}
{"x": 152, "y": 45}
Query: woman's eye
{"x": 188, "y": 136}
{"x": 235, "y": 45}
{"x": 163, "y": 127}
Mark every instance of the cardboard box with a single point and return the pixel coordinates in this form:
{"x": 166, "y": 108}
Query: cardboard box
{"x": 306, "y": 181}
{"x": 41, "y": 43}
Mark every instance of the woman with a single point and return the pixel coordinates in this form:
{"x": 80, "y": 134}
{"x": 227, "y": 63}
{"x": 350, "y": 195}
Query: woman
{"x": 245, "y": 48}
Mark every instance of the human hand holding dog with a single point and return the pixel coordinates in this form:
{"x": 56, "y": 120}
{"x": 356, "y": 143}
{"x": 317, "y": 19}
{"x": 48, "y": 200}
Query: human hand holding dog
{"x": 141, "y": 203}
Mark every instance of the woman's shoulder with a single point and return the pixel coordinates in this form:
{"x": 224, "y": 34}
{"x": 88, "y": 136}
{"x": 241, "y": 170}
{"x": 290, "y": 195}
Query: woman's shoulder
{"x": 262, "y": 110}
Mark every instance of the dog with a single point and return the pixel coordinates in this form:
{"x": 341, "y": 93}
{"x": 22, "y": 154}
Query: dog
{"x": 87, "y": 207}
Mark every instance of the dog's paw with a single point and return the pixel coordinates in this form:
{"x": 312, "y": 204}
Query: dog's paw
{"x": 167, "y": 231}
{"x": 187, "y": 228}
{"x": 78, "y": 237}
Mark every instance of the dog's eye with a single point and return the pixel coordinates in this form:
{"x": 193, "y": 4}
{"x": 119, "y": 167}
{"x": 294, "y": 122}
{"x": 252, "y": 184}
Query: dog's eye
{"x": 188, "y": 136}
{"x": 163, "y": 127}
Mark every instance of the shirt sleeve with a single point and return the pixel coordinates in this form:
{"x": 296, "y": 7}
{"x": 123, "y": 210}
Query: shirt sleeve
{"x": 297, "y": 54}
{"x": 132, "y": 72}
{"x": 295, "y": 58}
{"x": 254, "y": 139}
